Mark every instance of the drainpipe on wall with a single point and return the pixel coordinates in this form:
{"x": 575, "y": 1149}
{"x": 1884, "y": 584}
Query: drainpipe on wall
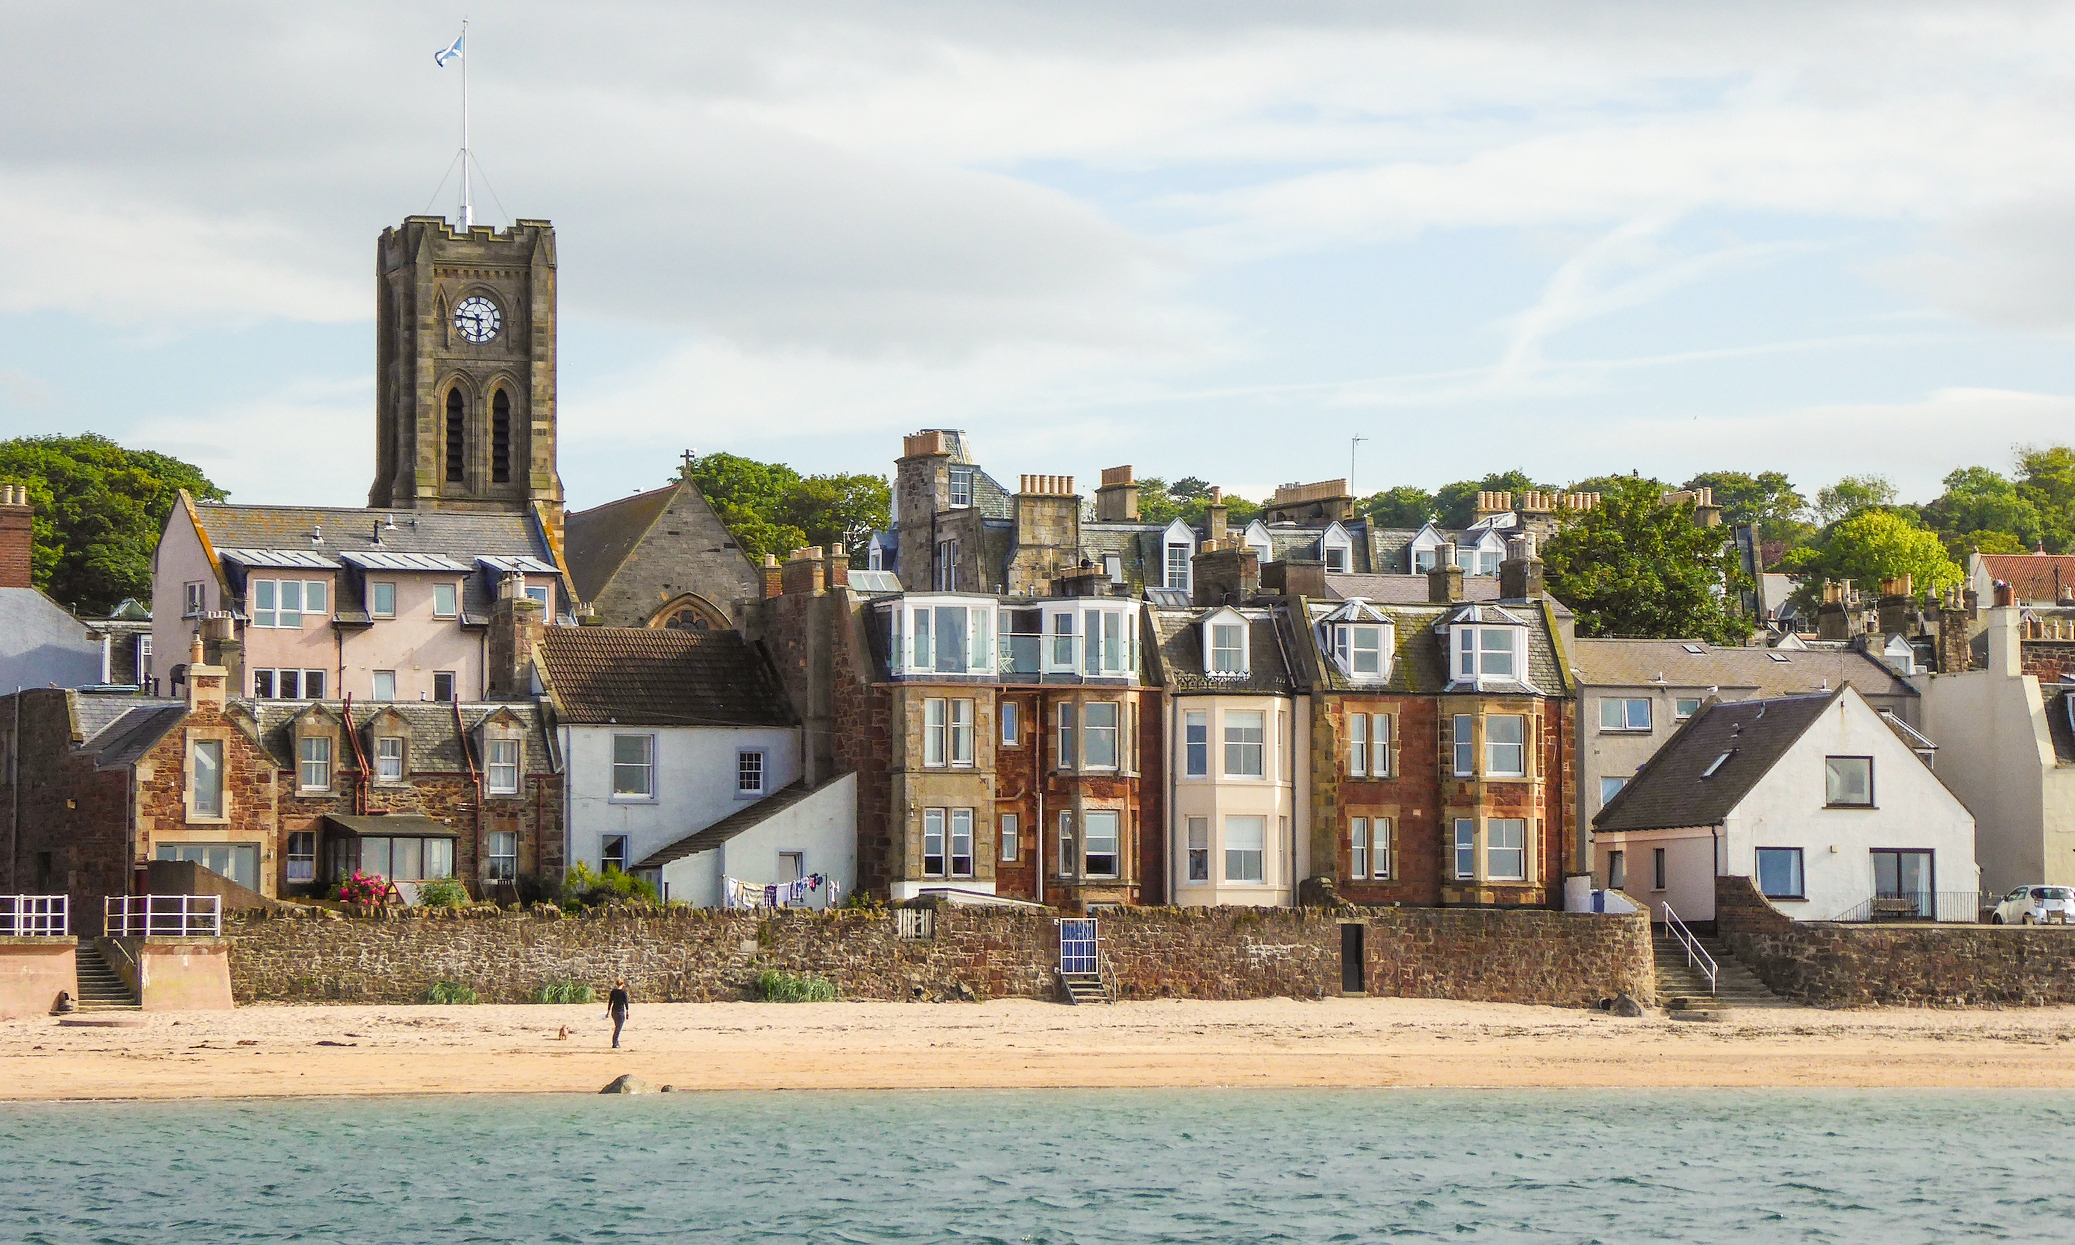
{"x": 14, "y": 783}
{"x": 1038, "y": 780}
{"x": 1172, "y": 768}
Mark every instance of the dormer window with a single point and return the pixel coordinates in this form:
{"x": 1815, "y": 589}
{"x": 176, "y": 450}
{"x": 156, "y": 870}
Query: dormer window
{"x": 942, "y": 637}
{"x": 1225, "y": 645}
{"x": 1178, "y": 547}
{"x": 961, "y": 486}
{"x": 1359, "y": 648}
{"x": 1257, "y": 540}
{"x": 1487, "y": 653}
{"x": 1336, "y": 550}
{"x": 1422, "y": 561}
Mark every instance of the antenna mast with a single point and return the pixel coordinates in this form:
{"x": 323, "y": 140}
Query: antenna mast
{"x": 468, "y": 208}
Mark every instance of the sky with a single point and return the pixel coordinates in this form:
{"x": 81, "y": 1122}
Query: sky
{"x": 1204, "y": 238}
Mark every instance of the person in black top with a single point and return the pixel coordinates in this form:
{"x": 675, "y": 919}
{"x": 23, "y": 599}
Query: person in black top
{"x": 616, "y": 1007}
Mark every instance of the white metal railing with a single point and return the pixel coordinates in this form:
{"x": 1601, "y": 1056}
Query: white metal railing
{"x": 35, "y": 916}
{"x": 1695, "y": 953}
{"x": 915, "y": 922}
{"x": 162, "y": 916}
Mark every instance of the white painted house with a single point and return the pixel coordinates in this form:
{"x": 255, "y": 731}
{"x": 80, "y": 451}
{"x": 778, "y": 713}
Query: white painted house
{"x": 683, "y": 763}
{"x": 1818, "y": 799}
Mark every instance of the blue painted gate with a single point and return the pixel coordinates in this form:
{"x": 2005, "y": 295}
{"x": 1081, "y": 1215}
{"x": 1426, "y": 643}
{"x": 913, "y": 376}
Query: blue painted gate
{"x": 1077, "y": 945}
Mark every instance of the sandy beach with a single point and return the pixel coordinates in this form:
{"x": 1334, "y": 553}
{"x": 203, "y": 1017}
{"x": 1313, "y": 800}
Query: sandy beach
{"x": 266, "y": 1051}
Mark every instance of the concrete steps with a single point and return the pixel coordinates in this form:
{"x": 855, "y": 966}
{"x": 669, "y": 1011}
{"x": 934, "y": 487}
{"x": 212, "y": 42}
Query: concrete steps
{"x": 1682, "y": 988}
{"x": 100, "y": 990}
{"x": 1084, "y": 988}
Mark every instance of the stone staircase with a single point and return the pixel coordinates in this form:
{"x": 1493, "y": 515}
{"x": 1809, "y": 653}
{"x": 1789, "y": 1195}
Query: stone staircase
{"x": 1084, "y": 988}
{"x": 1682, "y": 989}
{"x": 100, "y": 990}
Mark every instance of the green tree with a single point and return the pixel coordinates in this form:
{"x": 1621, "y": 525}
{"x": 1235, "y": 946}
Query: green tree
{"x": 770, "y": 508}
{"x": 1767, "y": 501}
{"x": 1634, "y": 566}
{"x": 1188, "y": 499}
{"x": 1457, "y": 503}
{"x": 1155, "y": 503}
{"x": 1870, "y": 546}
{"x": 100, "y": 509}
{"x": 1602, "y": 484}
{"x": 1979, "y": 502}
{"x": 2046, "y": 478}
{"x": 1406, "y": 506}
{"x": 1852, "y": 494}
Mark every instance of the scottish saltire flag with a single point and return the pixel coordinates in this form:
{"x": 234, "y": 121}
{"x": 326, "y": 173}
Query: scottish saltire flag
{"x": 441, "y": 58}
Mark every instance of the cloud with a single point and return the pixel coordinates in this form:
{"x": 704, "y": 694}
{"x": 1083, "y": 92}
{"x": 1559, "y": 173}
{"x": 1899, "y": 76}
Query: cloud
{"x": 309, "y": 443}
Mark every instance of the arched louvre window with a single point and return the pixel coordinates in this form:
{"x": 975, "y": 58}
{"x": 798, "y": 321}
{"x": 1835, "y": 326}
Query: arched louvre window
{"x": 501, "y": 438}
{"x": 455, "y": 457}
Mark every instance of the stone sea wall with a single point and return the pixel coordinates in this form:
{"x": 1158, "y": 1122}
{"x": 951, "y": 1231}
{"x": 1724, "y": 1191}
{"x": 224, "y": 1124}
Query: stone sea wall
{"x": 1896, "y": 965}
{"x": 695, "y": 955}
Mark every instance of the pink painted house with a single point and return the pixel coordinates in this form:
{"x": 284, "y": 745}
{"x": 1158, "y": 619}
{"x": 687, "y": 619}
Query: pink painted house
{"x": 330, "y": 602}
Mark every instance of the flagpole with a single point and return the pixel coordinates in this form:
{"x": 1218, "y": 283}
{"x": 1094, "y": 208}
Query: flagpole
{"x": 467, "y": 207}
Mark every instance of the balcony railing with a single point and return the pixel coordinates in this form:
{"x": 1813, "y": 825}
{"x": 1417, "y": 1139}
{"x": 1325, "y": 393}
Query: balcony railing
{"x": 35, "y": 916}
{"x": 162, "y": 916}
{"x": 1962, "y": 907}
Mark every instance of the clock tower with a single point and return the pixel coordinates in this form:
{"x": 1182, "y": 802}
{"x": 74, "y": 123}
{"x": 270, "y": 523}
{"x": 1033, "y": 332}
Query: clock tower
{"x": 465, "y": 370}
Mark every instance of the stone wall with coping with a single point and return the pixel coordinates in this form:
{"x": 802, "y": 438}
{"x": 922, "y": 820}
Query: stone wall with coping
{"x": 1894, "y": 965}
{"x": 704, "y": 955}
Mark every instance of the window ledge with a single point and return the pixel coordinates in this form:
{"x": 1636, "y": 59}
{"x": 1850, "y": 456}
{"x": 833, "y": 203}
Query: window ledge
{"x": 1788, "y": 898}
{"x": 749, "y": 795}
{"x": 1864, "y": 808}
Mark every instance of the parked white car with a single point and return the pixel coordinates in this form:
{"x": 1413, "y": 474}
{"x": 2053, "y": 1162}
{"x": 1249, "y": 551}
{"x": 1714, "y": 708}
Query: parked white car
{"x": 2036, "y": 905}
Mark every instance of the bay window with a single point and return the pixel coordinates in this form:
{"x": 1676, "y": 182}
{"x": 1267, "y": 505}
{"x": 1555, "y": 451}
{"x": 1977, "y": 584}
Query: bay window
{"x": 1505, "y": 852}
{"x": 1505, "y": 750}
{"x": 1196, "y": 743}
{"x": 1245, "y": 742}
{"x": 1246, "y": 848}
{"x": 1465, "y": 848}
{"x": 929, "y": 637}
{"x": 1359, "y": 649}
{"x": 1199, "y": 849}
{"x": 1099, "y": 741}
{"x": 1099, "y": 846}
{"x": 1465, "y": 748}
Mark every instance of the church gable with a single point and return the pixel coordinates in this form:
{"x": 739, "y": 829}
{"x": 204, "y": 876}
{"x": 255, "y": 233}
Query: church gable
{"x": 647, "y": 560}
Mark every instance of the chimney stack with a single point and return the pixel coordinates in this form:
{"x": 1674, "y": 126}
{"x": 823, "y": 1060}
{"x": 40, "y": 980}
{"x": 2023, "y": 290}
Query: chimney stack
{"x": 1955, "y": 653}
{"x": 515, "y": 627}
{"x": 1216, "y": 515}
{"x": 1520, "y": 575}
{"x": 774, "y": 579}
{"x": 1894, "y": 605}
{"x": 1116, "y": 499}
{"x": 17, "y": 536}
{"x": 1445, "y": 581}
{"x": 803, "y": 572}
{"x": 1229, "y": 573}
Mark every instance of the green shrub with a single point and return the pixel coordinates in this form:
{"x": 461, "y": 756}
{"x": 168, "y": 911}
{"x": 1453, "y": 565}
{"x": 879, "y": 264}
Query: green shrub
{"x": 772, "y": 986}
{"x": 564, "y": 992}
{"x": 442, "y": 893}
{"x": 584, "y": 885}
{"x": 449, "y": 992}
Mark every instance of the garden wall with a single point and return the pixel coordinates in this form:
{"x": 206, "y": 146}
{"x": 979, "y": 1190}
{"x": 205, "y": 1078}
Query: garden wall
{"x": 700, "y": 955}
{"x": 1896, "y": 965}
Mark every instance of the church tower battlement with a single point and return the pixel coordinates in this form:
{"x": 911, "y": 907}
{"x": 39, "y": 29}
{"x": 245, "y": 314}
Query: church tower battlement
{"x": 465, "y": 369}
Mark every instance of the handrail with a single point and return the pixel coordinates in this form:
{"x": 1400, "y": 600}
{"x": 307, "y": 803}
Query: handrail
{"x": 1695, "y": 953}
{"x": 175, "y": 916}
{"x": 35, "y": 916}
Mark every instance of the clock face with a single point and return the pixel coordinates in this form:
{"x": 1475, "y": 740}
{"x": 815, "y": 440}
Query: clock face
{"x": 477, "y": 319}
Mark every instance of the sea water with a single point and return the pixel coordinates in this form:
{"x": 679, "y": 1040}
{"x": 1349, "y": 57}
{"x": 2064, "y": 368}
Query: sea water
{"x": 1050, "y": 1166}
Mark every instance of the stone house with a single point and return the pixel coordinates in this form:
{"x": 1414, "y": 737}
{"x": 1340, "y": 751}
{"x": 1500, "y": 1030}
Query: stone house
{"x": 2006, "y": 735}
{"x": 278, "y": 798}
{"x": 1442, "y": 745}
{"x": 662, "y": 558}
{"x": 1820, "y": 799}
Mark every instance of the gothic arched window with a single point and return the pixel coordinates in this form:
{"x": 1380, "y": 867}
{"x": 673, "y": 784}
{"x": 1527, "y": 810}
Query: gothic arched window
{"x": 501, "y": 438}
{"x": 455, "y": 440}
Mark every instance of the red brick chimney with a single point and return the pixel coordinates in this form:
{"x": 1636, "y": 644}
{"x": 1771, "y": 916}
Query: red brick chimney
{"x": 17, "y": 535}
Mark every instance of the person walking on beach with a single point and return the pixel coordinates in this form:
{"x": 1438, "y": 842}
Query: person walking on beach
{"x": 616, "y": 1007}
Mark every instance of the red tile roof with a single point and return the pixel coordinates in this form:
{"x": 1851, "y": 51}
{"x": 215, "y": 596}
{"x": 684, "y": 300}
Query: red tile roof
{"x": 638, "y": 677}
{"x": 2035, "y": 578}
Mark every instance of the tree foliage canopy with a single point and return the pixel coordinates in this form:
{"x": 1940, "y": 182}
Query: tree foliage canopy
{"x": 770, "y": 508}
{"x": 1634, "y": 566}
{"x": 1870, "y": 546}
{"x": 100, "y": 509}
{"x": 1406, "y": 506}
{"x": 1456, "y": 504}
{"x": 1188, "y": 499}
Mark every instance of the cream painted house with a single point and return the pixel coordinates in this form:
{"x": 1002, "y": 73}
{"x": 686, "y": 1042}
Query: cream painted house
{"x": 2007, "y": 747}
{"x": 1819, "y": 799}
{"x": 1239, "y": 756}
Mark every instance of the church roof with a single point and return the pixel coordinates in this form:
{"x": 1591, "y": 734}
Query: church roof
{"x": 599, "y": 539}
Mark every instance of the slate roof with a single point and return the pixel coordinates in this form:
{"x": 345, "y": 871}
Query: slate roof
{"x": 660, "y": 677}
{"x": 1669, "y": 792}
{"x": 1405, "y": 589}
{"x": 599, "y": 539}
{"x": 1178, "y": 652}
{"x": 2040, "y": 577}
{"x": 125, "y": 740}
{"x": 1638, "y": 663}
{"x": 435, "y": 746}
{"x": 738, "y": 822}
{"x": 1420, "y": 661}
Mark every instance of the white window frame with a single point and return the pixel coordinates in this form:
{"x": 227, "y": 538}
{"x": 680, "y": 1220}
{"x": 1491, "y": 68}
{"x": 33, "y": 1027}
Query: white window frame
{"x": 1476, "y": 655}
{"x": 1090, "y": 818}
{"x": 313, "y": 773}
{"x": 1506, "y": 758}
{"x": 502, "y": 760}
{"x": 960, "y": 864}
{"x": 961, "y": 733}
{"x": 1606, "y": 792}
{"x": 1176, "y": 568}
{"x": 501, "y": 866}
{"x": 538, "y": 594}
{"x": 1011, "y": 714}
{"x": 1011, "y": 839}
{"x": 1247, "y": 750}
{"x": 301, "y": 866}
{"x": 1383, "y": 856}
{"x": 374, "y": 598}
{"x": 1113, "y": 565}
{"x": 956, "y": 477}
{"x": 390, "y": 753}
{"x": 1358, "y": 848}
{"x": 1227, "y": 648}
{"x": 1463, "y": 741}
{"x": 1243, "y": 857}
{"x": 753, "y": 764}
{"x": 1196, "y": 751}
{"x": 917, "y": 625}
{"x": 1357, "y": 745}
{"x": 1197, "y": 863}
{"x": 450, "y": 607}
{"x": 643, "y": 768}
{"x": 947, "y": 566}
{"x": 1095, "y": 737}
{"x": 1465, "y": 848}
{"x": 1618, "y": 715}
{"x": 1067, "y": 755}
{"x": 936, "y": 732}
{"x": 1505, "y": 836}
{"x": 384, "y": 685}
{"x": 1383, "y": 736}
{"x": 1348, "y": 649}
{"x": 621, "y": 858}
{"x": 936, "y": 830}
{"x": 194, "y": 598}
